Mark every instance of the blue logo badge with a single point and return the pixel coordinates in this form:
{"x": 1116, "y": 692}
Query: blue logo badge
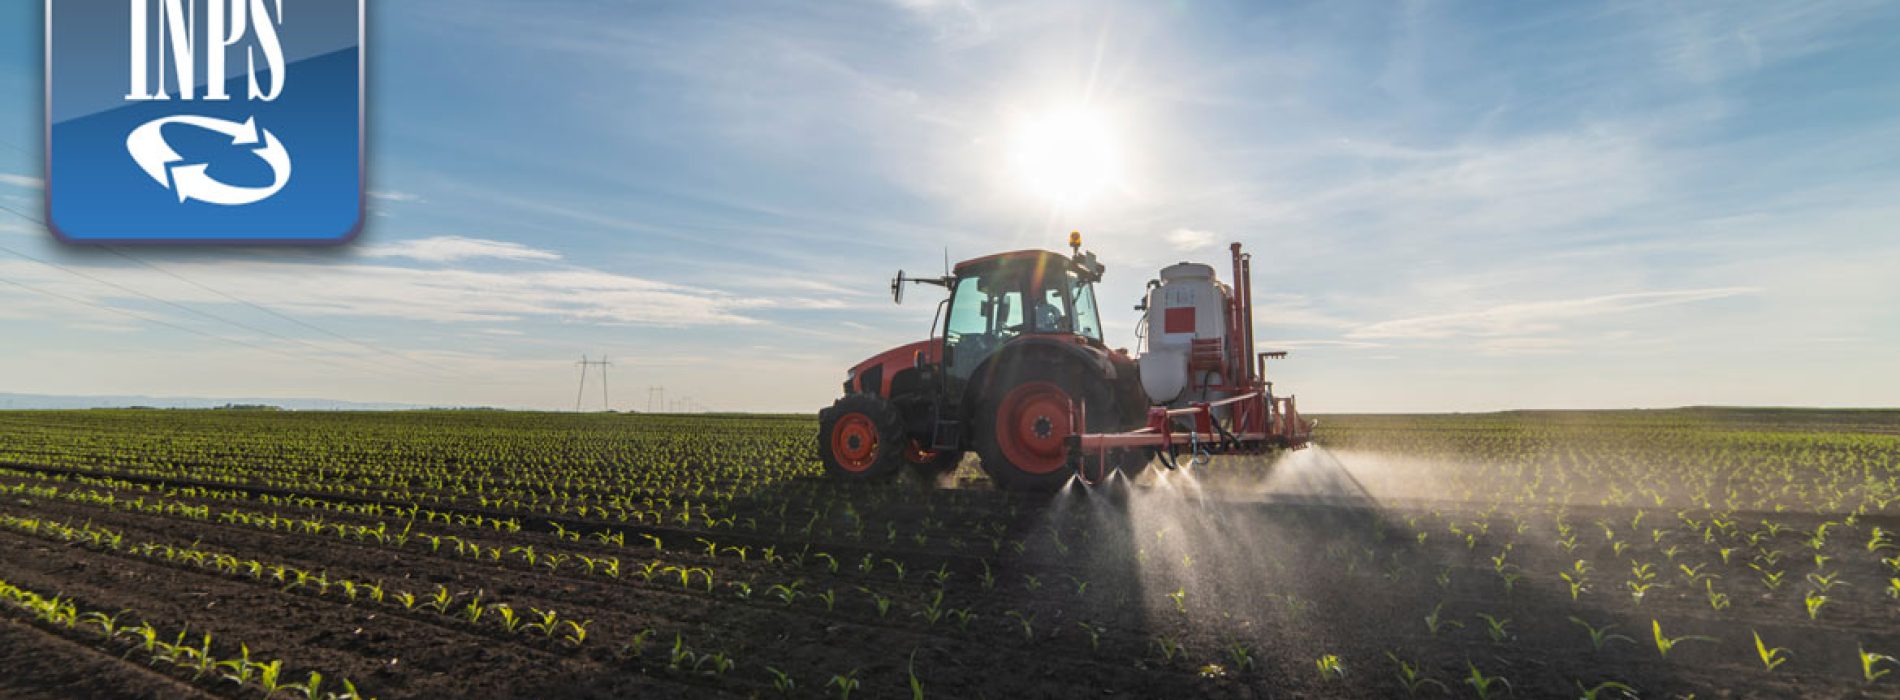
{"x": 204, "y": 121}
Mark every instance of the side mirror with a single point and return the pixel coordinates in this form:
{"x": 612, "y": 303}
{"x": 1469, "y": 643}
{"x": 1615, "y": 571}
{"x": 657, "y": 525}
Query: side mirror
{"x": 897, "y": 288}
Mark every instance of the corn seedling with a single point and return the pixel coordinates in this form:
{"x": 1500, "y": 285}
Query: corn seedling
{"x": 546, "y": 623}
{"x": 1814, "y": 601}
{"x": 1482, "y": 684}
{"x": 1094, "y": 632}
{"x": 1027, "y": 621}
{"x": 916, "y": 684}
{"x": 1718, "y": 601}
{"x": 964, "y": 616}
{"x": 1600, "y": 636}
{"x": 576, "y": 631}
{"x": 509, "y": 620}
{"x": 881, "y": 601}
{"x": 1169, "y": 647}
{"x": 1665, "y": 644}
{"x": 782, "y": 681}
{"x": 845, "y": 684}
{"x": 1827, "y": 582}
{"x": 1868, "y": 660}
{"x": 933, "y": 610}
{"x": 788, "y": 594}
{"x": 1240, "y": 655}
{"x": 1330, "y": 667}
{"x": 1434, "y": 623}
{"x": 1412, "y": 676}
{"x": 1496, "y": 628}
{"x": 1595, "y": 691}
{"x": 637, "y": 645}
{"x": 1770, "y": 656}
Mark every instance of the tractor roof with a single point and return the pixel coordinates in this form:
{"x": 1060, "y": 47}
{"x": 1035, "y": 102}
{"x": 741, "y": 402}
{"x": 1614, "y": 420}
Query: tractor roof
{"x": 1058, "y": 259}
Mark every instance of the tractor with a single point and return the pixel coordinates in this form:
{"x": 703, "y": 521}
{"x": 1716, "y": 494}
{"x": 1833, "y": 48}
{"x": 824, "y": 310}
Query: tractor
{"x": 1016, "y": 369}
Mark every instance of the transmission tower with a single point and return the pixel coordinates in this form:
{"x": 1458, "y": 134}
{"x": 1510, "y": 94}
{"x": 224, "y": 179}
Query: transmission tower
{"x": 656, "y": 399}
{"x": 603, "y": 364}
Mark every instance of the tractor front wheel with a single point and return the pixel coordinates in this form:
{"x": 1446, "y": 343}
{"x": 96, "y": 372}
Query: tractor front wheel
{"x": 861, "y": 438}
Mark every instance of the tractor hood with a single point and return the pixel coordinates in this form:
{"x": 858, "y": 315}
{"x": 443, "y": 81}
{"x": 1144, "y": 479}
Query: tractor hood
{"x": 873, "y": 376}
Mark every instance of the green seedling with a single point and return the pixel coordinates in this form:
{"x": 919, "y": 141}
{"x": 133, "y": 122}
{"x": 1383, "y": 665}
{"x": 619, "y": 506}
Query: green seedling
{"x": 1481, "y": 684}
{"x": 1770, "y": 656}
{"x": 1600, "y": 636}
{"x": 1412, "y": 677}
{"x": 1665, "y": 644}
{"x": 1330, "y": 667}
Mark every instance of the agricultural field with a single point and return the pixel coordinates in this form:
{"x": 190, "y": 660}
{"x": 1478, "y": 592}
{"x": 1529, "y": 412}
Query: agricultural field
{"x": 1655, "y": 554}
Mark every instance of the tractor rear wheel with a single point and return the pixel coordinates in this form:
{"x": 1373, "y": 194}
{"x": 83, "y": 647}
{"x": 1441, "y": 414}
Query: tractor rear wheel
{"x": 861, "y": 438}
{"x": 1024, "y": 424}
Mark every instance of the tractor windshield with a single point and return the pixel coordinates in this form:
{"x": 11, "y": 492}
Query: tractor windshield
{"x": 998, "y": 302}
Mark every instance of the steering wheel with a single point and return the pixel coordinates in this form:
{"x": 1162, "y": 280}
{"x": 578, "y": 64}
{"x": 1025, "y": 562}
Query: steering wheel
{"x": 976, "y": 345}
{"x": 1048, "y": 317}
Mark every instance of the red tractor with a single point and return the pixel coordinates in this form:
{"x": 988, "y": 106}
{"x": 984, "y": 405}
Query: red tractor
{"x": 1016, "y": 369}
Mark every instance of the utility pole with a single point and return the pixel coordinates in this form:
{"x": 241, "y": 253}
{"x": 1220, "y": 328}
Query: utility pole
{"x": 603, "y": 364}
{"x": 583, "y": 388}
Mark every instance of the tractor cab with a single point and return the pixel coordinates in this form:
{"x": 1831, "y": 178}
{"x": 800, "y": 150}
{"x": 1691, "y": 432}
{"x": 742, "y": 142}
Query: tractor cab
{"x": 999, "y": 298}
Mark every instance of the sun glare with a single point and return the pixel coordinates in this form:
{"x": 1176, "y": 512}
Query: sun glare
{"x": 1066, "y": 156}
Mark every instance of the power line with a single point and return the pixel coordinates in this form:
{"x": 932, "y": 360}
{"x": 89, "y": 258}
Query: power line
{"x": 148, "y": 319}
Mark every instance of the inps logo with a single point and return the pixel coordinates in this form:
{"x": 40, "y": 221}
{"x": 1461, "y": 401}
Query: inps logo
{"x": 204, "y": 120}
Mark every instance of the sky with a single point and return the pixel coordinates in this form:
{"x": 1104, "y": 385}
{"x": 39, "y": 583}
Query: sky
{"x": 1451, "y": 206}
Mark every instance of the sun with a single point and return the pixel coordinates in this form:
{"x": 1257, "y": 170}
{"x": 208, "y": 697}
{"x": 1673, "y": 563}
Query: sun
{"x": 1067, "y": 156}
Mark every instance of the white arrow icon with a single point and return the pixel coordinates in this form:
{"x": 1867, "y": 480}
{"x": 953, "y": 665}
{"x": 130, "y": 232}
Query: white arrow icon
{"x": 148, "y": 148}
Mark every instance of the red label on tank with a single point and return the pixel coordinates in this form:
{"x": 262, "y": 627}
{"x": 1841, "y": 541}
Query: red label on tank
{"x": 1179, "y": 319}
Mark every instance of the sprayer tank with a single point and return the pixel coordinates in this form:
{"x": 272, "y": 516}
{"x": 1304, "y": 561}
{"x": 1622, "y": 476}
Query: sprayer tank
{"x": 1188, "y": 305}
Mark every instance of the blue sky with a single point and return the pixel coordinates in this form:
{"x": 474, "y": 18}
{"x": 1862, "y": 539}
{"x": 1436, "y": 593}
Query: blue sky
{"x": 1452, "y": 206}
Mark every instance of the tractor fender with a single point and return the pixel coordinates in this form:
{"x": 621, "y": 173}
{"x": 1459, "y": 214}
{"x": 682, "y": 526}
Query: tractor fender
{"x": 1028, "y": 350}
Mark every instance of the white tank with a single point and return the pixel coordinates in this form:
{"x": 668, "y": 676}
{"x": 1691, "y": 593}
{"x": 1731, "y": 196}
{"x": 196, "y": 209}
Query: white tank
{"x": 1189, "y": 304}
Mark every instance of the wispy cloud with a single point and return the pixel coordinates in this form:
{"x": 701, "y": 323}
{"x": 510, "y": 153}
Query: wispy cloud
{"x": 1534, "y": 318}
{"x": 22, "y": 181}
{"x": 438, "y": 295}
{"x": 394, "y": 196}
{"x": 1189, "y": 240}
{"x": 454, "y": 248}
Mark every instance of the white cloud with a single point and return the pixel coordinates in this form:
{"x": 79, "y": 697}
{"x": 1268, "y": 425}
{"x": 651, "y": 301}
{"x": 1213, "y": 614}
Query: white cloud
{"x": 394, "y": 196}
{"x": 335, "y": 289}
{"x": 453, "y": 248}
{"x": 1188, "y": 240}
{"x": 1267, "y": 344}
{"x": 1524, "y": 320}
